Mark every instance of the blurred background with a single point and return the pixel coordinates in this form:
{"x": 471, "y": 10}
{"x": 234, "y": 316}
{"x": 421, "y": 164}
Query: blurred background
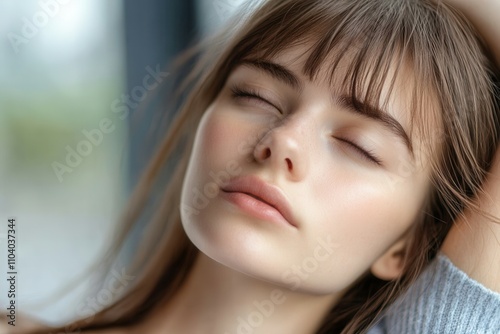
{"x": 72, "y": 76}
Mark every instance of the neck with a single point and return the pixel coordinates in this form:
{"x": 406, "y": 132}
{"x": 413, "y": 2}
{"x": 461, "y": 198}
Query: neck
{"x": 217, "y": 299}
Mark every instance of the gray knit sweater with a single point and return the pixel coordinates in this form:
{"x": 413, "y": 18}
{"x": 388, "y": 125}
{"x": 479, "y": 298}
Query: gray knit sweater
{"x": 444, "y": 300}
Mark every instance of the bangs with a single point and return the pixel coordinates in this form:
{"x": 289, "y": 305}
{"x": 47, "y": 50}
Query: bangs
{"x": 374, "y": 40}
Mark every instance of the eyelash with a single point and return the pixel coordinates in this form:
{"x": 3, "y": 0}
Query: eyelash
{"x": 237, "y": 92}
{"x": 367, "y": 154}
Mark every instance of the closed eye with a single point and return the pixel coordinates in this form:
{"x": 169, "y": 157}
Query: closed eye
{"x": 365, "y": 153}
{"x": 251, "y": 94}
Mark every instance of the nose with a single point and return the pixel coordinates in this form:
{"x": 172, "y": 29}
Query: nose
{"x": 283, "y": 149}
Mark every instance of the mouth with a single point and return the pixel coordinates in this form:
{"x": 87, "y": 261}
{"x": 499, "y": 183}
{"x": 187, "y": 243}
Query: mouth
{"x": 259, "y": 199}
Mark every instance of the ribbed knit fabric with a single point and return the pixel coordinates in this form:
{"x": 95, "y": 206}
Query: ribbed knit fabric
{"x": 443, "y": 300}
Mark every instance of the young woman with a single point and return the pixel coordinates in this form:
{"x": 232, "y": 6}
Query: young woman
{"x": 324, "y": 176}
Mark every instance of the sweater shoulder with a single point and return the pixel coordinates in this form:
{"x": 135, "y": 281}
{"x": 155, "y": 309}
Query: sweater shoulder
{"x": 444, "y": 299}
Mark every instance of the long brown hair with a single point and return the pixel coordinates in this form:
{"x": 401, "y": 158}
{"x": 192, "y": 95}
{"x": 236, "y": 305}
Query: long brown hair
{"x": 452, "y": 84}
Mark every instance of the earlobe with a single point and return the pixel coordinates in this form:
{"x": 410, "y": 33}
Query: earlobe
{"x": 390, "y": 265}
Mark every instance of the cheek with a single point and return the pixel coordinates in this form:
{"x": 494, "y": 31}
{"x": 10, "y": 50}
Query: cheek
{"x": 371, "y": 214}
{"x": 214, "y": 159}
{"x": 363, "y": 218}
{"x": 215, "y": 144}
{"x": 222, "y": 137}
{"x": 215, "y": 137}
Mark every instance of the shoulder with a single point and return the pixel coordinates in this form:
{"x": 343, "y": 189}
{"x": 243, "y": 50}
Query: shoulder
{"x": 444, "y": 299}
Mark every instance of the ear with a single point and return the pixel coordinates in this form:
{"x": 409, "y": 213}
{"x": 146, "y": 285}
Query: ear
{"x": 390, "y": 265}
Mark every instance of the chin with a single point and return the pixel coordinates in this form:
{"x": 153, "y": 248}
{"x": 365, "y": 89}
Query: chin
{"x": 253, "y": 253}
{"x": 237, "y": 247}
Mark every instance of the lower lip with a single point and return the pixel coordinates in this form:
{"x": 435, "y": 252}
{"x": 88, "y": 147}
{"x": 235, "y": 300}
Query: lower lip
{"x": 254, "y": 207}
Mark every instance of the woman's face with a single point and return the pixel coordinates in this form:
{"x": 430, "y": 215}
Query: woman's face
{"x": 348, "y": 175}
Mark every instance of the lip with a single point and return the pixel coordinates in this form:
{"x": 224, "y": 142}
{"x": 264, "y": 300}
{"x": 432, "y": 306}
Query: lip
{"x": 260, "y": 198}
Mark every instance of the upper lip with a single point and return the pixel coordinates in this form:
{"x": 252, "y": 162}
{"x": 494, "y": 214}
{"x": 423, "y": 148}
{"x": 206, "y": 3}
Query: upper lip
{"x": 265, "y": 192}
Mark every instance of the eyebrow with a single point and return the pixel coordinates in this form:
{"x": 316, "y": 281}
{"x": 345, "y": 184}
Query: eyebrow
{"x": 277, "y": 71}
{"x": 366, "y": 110}
{"x": 351, "y": 103}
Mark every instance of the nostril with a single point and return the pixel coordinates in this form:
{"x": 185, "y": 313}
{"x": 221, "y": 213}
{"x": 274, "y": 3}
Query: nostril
{"x": 267, "y": 153}
{"x": 289, "y": 163}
